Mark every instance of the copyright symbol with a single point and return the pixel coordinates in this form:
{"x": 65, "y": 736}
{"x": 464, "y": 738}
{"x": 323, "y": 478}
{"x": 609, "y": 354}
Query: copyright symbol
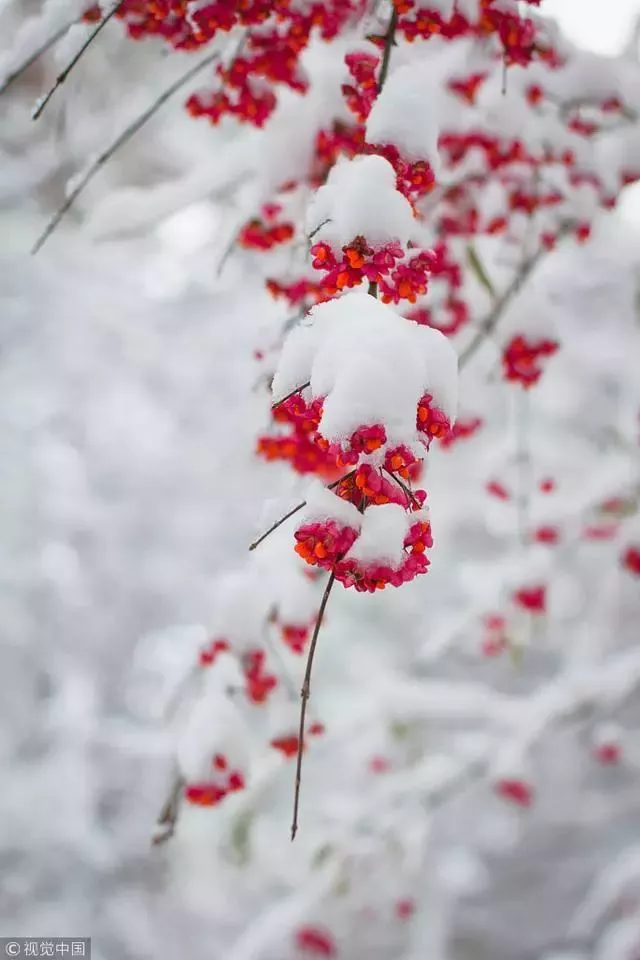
{"x": 12, "y": 949}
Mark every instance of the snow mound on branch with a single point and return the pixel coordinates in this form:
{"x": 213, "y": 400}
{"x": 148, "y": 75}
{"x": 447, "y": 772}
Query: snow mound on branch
{"x": 406, "y": 115}
{"x": 381, "y": 538}
{"x": 296, "y": 359}
{"x": 371, "y": 365}
{"x": 323, "y": 505}
{"x": 360, "y": 199}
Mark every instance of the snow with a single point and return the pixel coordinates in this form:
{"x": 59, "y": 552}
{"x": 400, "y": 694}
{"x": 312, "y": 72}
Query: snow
{"x": 323, "y": 505}
{"x": 360, "y": 198}
{"x": 296, "y": 358}
{"x": 370, "y": 364}
{"x": 381, "y": 537}
{"x": 406, "y": 116}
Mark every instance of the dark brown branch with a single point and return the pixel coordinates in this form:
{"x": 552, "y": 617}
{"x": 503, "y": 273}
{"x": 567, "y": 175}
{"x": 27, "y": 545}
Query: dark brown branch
{"x": 389, "y": 41}
{"x": 299, "y": 389}
{"x": 51, "y": 42}
{"x": 60, "y": 79}
{"x": 294, "y": 510}
{"x": 304, "y": 697}
{"x": 125, "y": 136}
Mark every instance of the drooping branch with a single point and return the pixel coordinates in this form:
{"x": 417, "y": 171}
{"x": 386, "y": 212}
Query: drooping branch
{"x": 120, "y": 140}
{"x": 60, "y": 79}
{"x": 304, "y": 697}
{"x": 32, "y": 58}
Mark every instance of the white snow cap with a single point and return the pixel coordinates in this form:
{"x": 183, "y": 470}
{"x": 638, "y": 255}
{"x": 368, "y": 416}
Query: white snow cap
{"x": 372, "y": 366}
{"x": 382, "y": 536}
{"x": 406, "y": 114}
{"x": 322, "y": 505}
{"x": 360, "y": 199}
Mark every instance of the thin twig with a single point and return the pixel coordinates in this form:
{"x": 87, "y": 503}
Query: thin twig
{"x": 404, "y": 487}
{"x": 168, "y": 816}
{"x": 60, "y": 79}
{"x": 125, "y": 136}
{"x": 279, "y": 403}
{"x": 293, "y": 511}
{"x": 51, "y": 42}
{"x": 278, "y": 523}
{"x": 304, "y": 697}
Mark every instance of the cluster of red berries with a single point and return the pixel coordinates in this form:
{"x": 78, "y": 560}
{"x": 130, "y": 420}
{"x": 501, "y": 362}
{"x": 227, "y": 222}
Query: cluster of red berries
{"x": 361, "y": 94}
{"x": 223, "y": 781}
{"x": 264, "y": 233}
{"x": 288, "y": 744}
{"x": 533, "y": 599}
{"x": 517, "y": 34}
{"x": 521, "y": 359}
{"x": 631, "y": 560}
